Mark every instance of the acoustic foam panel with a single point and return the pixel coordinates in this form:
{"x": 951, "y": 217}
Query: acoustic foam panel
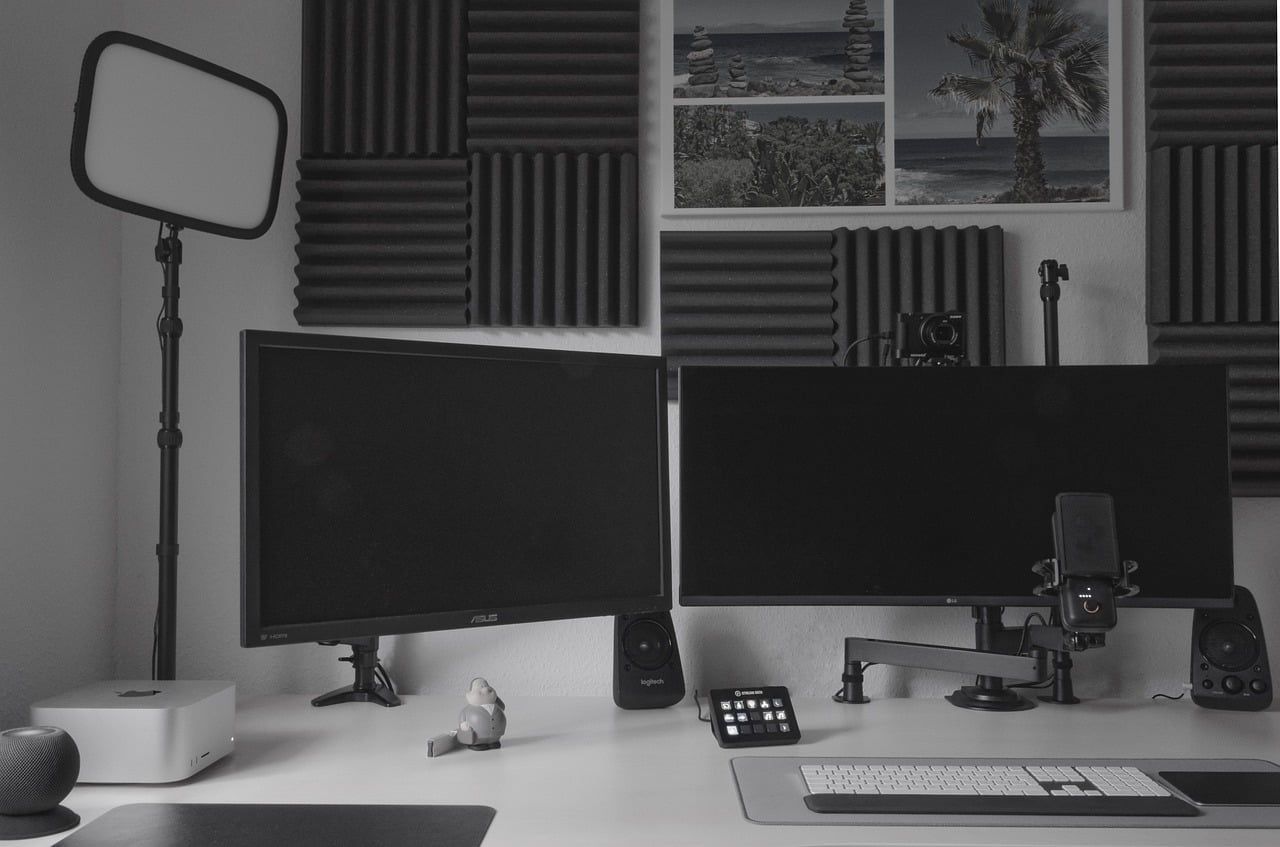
{"x": 549, "y": 245}
{"x": 1249, "y": 352}
{"x": 1211, "y": 253}
{"x": 535, "y": 104}
{"x": 1212, "y": 269}
{"x": 801, "y": 297}
{"x": 382, "y": 241}
{"x": 553, "y": 76}
{"x": 1211, "y": 72}
{"x": 883, "y": 272}
{"x": 383, "y": 78}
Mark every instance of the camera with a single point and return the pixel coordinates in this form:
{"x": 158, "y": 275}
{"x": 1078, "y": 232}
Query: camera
{"x": 930, "y": 338}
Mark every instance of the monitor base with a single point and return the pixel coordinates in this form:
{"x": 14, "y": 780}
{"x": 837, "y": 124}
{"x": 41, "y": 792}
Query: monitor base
{"x": 369, "y": 686}
{"x": 988, "y": 700}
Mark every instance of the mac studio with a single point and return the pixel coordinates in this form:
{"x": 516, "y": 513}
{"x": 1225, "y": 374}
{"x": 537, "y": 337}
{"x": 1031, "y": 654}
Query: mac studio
{"x": 80, "y": 287}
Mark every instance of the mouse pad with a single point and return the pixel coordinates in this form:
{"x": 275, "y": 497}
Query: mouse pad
{"x": 254, "y": 825}
{"x": 772, "y": 791}
{"x": 1230, "y": 788}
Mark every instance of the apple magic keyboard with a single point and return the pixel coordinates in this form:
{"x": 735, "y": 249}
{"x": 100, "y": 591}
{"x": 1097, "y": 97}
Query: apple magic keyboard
{"x": 1041, "y": 788}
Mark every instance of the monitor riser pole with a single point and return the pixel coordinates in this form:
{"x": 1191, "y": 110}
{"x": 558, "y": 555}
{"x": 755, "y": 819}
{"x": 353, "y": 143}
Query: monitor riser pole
{"x": 988, "y": 692}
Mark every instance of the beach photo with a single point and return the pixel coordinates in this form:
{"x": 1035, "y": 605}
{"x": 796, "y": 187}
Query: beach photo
{"x": 1005, "y": 103}
{"x": 778, "y": 155}
{"x": 765, "y": 48}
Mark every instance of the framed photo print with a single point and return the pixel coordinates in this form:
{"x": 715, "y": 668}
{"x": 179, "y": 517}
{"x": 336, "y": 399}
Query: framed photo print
{"x": 892, "y": 105}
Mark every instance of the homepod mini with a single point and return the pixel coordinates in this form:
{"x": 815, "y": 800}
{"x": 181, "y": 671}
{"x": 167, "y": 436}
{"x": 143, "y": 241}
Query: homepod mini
{"x": 646, "y": 662}
{"x": 38, "y": 769}
{"x": 1229, "y": 668}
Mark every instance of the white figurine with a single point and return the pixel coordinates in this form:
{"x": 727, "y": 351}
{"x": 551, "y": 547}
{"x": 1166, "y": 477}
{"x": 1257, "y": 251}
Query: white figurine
{"x": 482, "y": 722}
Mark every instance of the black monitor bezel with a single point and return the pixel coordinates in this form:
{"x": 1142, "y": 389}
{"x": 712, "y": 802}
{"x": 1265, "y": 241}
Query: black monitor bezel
{"x": 253, "y": 633}
{"x": 932, "y": 600}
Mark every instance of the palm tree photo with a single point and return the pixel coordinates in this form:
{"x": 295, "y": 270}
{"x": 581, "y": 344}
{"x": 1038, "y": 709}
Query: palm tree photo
{"x": 1041, "y": 63}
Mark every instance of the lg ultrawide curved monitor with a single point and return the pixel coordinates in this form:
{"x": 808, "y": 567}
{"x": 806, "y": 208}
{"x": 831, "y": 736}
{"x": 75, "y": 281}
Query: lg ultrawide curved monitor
{"x": 936, "y": 486}
{"x": 394, "y": 486}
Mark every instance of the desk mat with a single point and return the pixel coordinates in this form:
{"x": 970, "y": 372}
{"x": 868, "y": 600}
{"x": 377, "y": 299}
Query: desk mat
{"x": 772, "y": 792}
{"x": 270, "y": 825}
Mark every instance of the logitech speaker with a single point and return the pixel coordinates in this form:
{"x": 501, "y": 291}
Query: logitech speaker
{"x": 646, "y": 662}
{"x": 1229, "y": 668}
{"x": 38, "y": 768}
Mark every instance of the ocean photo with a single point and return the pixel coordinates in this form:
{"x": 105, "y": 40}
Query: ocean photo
{"x": 782, "y": 63}
{"x": 949, "y": 171}
{"x": 961, "y": 98}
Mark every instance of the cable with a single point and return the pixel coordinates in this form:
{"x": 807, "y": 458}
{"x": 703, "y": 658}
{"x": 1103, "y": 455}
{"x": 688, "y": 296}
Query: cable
{"x": 1044, "y": 683}
{"x": 698, "y": 703}
{"x": 380, "y": 673}
{"x": 844, "y": 357}
{"x": 1026, "y": 631}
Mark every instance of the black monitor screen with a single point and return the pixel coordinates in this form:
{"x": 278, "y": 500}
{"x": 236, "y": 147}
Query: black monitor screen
{"x": 400, "y": 486}
{"x": 936, "y": 485}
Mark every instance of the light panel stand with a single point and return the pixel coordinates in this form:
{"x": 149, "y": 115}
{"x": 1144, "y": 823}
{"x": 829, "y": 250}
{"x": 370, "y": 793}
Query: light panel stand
{"x": 169, "y": 439}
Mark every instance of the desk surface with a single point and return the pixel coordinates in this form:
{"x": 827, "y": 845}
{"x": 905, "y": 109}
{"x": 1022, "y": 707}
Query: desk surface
{"x": 581, "y": 771}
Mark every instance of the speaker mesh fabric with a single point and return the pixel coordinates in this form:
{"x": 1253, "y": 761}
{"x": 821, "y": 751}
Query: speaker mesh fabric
{"x": 38, "y": 768}
{"x": 1230, "y": 645}
{"x": 647, "y": 644}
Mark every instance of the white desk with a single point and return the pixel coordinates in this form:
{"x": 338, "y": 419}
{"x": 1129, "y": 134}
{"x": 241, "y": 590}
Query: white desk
{"x": 579, "y": 771}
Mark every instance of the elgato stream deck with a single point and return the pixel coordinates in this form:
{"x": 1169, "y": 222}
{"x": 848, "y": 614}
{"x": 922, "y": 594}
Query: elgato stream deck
{"x": 753, "y": 717}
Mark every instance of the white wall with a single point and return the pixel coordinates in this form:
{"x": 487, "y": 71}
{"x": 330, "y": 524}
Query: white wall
{"x": 59, "y": 365}
{"x": 229, "y": 285}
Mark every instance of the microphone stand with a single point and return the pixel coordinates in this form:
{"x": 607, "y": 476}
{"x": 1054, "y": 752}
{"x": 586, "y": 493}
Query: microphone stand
{"x": 1050, "y": 274}
{"x": 169, "y": 439}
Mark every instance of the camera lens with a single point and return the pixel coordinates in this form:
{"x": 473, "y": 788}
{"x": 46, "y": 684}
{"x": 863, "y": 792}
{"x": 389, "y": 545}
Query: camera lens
{"x": 939, "y": 333}
{"x": 942, "y": 334}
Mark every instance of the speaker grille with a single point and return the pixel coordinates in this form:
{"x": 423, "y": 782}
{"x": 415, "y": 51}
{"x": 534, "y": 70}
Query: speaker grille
{"x": 38, "y": 768}
{"x": 1229, "y": 645}
{"x": 647, "y": 644}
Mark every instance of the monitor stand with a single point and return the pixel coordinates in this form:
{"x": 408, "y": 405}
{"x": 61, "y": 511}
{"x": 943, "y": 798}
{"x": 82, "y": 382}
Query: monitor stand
{"x": 368, "y": 686}
{"x": 989, "y": 693}
{"x": 996, "y": 659}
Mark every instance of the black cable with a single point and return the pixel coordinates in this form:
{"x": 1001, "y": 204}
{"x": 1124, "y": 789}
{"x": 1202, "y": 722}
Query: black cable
{"x": 1026, "y": 631}
{"x": 844, "y": 357}
{"x": 1044, "y": 683}
{"x": 381, "y": 674}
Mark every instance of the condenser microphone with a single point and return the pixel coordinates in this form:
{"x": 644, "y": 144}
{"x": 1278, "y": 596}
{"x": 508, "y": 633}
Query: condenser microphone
{"x": 1088, "y": 564}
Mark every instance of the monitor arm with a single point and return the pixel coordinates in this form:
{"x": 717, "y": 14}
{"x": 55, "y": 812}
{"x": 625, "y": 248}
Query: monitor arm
{"x": 1086, "y": 577}
{"x": 996, "y": 658}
